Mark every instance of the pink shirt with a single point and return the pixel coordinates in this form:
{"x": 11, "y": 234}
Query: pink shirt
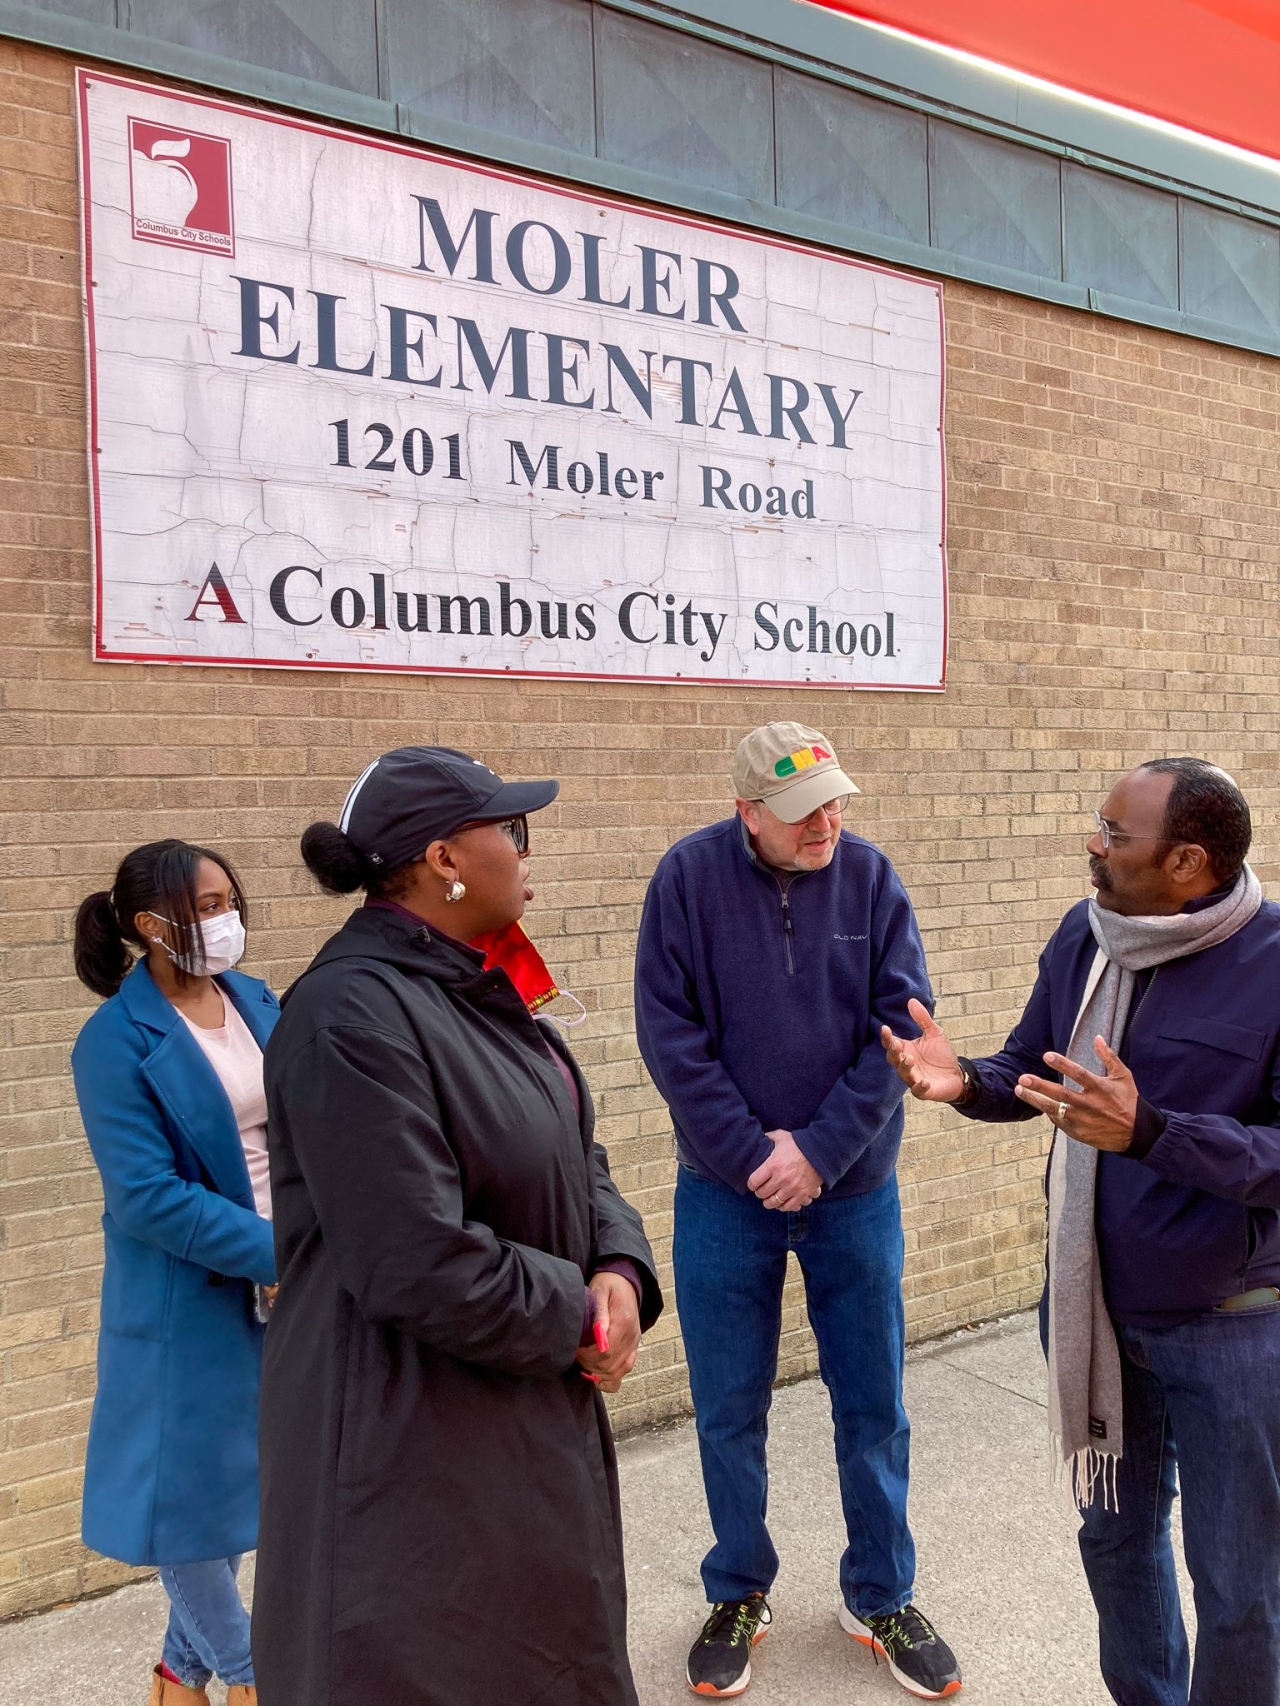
{"x": 234, "y": 1055}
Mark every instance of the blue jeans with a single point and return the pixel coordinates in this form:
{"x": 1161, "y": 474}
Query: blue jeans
{"x": 208, "y": 1633}
{"x": 730, "y": 1264}
{"x": 1201, "y": 1414}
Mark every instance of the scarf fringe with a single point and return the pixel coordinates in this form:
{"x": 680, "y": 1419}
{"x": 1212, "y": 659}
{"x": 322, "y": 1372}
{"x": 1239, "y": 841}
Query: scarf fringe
{"x": 1088, "y": 1468}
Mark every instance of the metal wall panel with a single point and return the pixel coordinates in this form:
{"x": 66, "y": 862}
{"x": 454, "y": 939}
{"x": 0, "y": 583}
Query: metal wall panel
{"x": 1230, "y": 270}
{"x": 326, "y": 41}
{"x": 526, "y": 70}
{"x": 664, "y": 107}
{"x": 855, "y": 161}
{"x": 94, "y": 11}
{"x": 681, "y": 108}
{"x": 1119, "y": 238}
{"x": 994, "y": 202}
{"x": 945, "y": 84}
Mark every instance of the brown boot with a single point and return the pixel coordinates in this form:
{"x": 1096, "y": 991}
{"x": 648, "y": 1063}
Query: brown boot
{"x": 242, "y": 1694}
{"x": 166, "y": 1693}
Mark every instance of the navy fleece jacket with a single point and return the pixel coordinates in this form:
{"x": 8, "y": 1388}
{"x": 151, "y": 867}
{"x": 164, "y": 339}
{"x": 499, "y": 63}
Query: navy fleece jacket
{"x": 759, "y": 1006}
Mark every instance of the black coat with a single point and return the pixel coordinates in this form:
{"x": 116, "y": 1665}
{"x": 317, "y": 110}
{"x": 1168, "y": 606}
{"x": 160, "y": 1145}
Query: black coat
{"x": 440, "y": 1520}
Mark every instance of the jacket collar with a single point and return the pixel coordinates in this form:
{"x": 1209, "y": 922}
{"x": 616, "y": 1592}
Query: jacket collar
{"x": 758, "y": 864}
{"x": 187, "y": 1086}
{"x": 147, "y": 1006}
{"x": 143, "y": 1002}
{"x": 402, "y": 940}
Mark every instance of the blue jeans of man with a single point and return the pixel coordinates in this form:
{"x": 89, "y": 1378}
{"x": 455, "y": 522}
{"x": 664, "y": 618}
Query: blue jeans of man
{"x": 208, "y": 1633}
{"x": 1201, "y": 1415}
{"x": 730, "y": 1265}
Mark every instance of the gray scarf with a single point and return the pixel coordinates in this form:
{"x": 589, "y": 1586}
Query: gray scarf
{"x": 1085, "y": 1410}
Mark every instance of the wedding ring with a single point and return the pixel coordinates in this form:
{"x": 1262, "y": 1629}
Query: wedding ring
{"x": 1062, "y": 1112}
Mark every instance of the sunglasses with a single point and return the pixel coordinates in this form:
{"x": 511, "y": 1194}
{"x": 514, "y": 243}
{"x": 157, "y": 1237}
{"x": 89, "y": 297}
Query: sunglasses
{"x": 516, "y": 827}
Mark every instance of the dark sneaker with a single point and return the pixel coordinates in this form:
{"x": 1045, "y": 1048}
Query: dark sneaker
{"x": 917, "y": 1655}
{"x": 720, "y": 1659}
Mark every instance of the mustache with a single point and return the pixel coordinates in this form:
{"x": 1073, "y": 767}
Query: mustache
{"x": 1098, "y": 870}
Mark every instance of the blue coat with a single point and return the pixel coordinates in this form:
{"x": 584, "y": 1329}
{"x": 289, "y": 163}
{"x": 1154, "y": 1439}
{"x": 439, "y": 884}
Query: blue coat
{"x": 172, "y": 1470}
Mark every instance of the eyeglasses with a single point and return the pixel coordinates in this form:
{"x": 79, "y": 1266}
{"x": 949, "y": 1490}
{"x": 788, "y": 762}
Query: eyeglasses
{"x": 833, "y": 808}
{"x": 516, "y": 827}
{"x": 1112, "y": 835}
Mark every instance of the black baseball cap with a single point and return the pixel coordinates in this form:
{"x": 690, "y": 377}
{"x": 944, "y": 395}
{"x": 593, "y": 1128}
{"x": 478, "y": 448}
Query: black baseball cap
{"x": 408, "y": 798}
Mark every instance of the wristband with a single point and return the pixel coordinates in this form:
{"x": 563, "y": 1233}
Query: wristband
{"x": 972, "y": 1083}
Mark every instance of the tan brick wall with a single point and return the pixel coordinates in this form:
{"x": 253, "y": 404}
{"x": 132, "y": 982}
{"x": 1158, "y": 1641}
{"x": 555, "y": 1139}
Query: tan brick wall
{"x": 1113, "y": 557}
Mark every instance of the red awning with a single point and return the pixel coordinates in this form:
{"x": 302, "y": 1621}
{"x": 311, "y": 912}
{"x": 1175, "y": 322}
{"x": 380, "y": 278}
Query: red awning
{"x": 1209, "y": 65}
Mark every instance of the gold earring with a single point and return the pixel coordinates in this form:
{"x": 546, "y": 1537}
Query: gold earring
{"x": 455, "y": 892}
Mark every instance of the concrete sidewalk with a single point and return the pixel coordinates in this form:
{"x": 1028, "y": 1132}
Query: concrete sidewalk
{"x": 999, "y": 1572}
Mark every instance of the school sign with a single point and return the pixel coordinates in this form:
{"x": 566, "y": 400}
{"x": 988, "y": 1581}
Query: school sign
{"x": 359, "y": 406}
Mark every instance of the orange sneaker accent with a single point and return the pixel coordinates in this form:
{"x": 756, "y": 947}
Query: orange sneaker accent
{"x": 870, "y": 1641}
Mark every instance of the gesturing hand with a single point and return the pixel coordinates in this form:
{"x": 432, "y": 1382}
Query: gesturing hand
{"x": 786, "y": 1181}
{"x": 618, "y": 1317}
{"x": 928, "y": 1066}
{"x": 1101, "y": 1113}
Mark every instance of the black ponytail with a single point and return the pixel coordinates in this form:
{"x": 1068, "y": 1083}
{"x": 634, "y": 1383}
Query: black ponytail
{"x": 340, "y": 867}
{"x": 100, "y": 954}
{"x": 162, "y": 878}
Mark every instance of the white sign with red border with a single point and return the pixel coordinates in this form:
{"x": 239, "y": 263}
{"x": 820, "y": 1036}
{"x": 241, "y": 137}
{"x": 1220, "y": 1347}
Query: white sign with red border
{"x": 356, "y": 405}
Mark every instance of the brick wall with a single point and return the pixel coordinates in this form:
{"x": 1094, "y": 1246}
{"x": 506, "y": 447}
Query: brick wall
{"x": 1113, "y": 556}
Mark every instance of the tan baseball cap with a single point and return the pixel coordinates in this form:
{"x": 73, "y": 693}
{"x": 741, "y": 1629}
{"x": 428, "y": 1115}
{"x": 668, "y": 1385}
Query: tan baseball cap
{"x": 794, "y": 770}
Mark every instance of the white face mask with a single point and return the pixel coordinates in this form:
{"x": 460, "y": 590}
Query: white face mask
{"x": 223, "y": 944}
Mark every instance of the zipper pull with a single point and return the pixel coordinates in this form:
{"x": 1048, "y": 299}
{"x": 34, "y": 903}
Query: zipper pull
{"x": 788, "y": 935}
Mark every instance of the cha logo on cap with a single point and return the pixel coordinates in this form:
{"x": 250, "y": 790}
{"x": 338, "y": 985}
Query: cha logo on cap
{"x": 180, "y": 187}
{"x": 804, "y": 759}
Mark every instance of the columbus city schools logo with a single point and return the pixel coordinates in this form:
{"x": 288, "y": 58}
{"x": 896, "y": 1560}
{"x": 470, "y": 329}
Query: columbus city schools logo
{"x": 180, "y": 187}
{"x": 804, "y": 759}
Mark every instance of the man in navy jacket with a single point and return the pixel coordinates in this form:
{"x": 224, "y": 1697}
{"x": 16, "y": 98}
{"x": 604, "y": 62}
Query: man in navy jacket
{"x": 773, "y": 947}
{"x": 1185, "y": 1120}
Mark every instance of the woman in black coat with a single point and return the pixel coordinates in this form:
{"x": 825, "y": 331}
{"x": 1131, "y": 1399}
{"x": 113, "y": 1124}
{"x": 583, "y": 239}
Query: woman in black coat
{"x": 440, "y": 1520}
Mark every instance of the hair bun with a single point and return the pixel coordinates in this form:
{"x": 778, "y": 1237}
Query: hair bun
{"x": 333, "y": 859}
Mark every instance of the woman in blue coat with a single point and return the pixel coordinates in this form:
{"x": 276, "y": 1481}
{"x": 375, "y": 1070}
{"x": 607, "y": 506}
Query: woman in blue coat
{"x": 168, "y": 1075}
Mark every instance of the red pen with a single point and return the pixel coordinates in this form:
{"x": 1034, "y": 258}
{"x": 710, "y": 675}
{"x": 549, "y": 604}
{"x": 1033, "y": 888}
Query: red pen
{"x": 601, "y": 1337}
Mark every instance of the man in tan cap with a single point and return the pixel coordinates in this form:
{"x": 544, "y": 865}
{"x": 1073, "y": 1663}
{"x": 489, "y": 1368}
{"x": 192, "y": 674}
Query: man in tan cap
{"x": 773, "y": 946}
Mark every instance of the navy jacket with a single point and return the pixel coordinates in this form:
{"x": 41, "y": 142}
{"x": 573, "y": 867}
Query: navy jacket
{"x": 1197, "y": 1218}
{"x": 758, "y": 1009}
{"x": 172, "y": 1470}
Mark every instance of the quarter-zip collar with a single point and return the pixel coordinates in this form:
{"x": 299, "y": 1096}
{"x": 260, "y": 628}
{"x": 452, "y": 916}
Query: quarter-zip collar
{"x": 784, "y": 881}
{"x": 767, "y": 870}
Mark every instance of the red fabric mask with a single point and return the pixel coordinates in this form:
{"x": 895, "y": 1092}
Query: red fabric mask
{"x": 512, "y": 951}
